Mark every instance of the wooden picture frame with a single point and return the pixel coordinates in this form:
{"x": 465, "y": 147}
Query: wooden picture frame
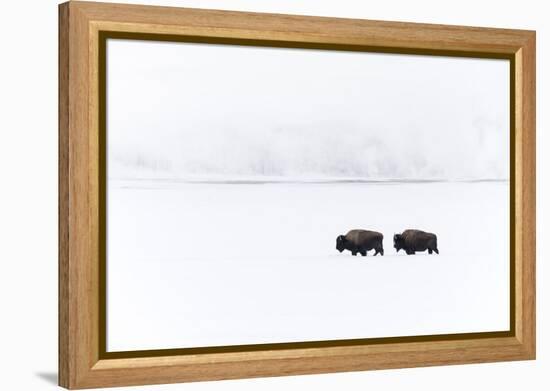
{"x": 83, "y": 360}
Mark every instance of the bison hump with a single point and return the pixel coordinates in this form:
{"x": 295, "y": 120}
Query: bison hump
{"x": 415, "y": 235}
{"x": 359, "y": 235}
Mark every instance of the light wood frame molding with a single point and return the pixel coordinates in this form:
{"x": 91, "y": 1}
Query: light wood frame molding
{"x": 83, "y": 362}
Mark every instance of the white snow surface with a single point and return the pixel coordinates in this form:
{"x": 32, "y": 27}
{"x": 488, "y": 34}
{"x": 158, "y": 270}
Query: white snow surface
{"x": 210, "y": 264}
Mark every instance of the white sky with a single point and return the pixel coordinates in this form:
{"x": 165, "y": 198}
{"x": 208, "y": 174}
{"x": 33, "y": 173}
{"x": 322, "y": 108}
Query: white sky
{"x": 187, "y": 110}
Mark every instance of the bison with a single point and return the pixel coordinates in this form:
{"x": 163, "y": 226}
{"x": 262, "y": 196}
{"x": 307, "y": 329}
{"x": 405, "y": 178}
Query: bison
{"x": 360, "y": 241}
{"x": 412, "y": 240}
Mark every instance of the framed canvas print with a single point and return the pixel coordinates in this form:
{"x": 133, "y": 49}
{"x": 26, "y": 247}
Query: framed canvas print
{"x": 247, "y": 195}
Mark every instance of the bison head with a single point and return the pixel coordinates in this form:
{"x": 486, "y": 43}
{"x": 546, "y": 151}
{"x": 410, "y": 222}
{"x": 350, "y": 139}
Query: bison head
{"x": 397, "y": 242}
{"x": 341, "y": 243}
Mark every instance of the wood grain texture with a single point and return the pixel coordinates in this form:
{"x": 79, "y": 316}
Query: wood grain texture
{"x": 171, "y": 20}
{"x": 80, "y": 23}
{"x": 77, "y": 278}
{"x": 63, "y": 200}
{"x": 526, "y": 130}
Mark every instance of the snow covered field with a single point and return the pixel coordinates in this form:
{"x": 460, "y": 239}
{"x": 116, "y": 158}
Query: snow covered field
{"x": 196, "y": 264}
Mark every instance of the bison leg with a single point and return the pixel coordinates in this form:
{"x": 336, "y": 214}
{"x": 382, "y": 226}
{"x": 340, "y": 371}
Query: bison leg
{"x": 409, "y": 252}
{"x": 436, "y": 251}
{"x": 379, "y": 251}
{"x": 364, "y": 253}
{"x": 430, "y": 251}
{"x": 354, "y": 253}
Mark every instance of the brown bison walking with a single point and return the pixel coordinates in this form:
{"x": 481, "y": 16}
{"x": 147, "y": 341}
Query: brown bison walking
{"x": 360, "y": 241}
{"x": 412, "y": 240}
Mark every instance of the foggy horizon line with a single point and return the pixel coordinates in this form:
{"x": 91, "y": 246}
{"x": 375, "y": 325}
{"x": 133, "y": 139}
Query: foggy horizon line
{"x": 247, "y": 181}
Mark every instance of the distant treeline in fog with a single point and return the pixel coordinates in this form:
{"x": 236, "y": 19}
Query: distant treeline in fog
{"x": 200, "y": 110}
{"x": 314, "y": 153}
